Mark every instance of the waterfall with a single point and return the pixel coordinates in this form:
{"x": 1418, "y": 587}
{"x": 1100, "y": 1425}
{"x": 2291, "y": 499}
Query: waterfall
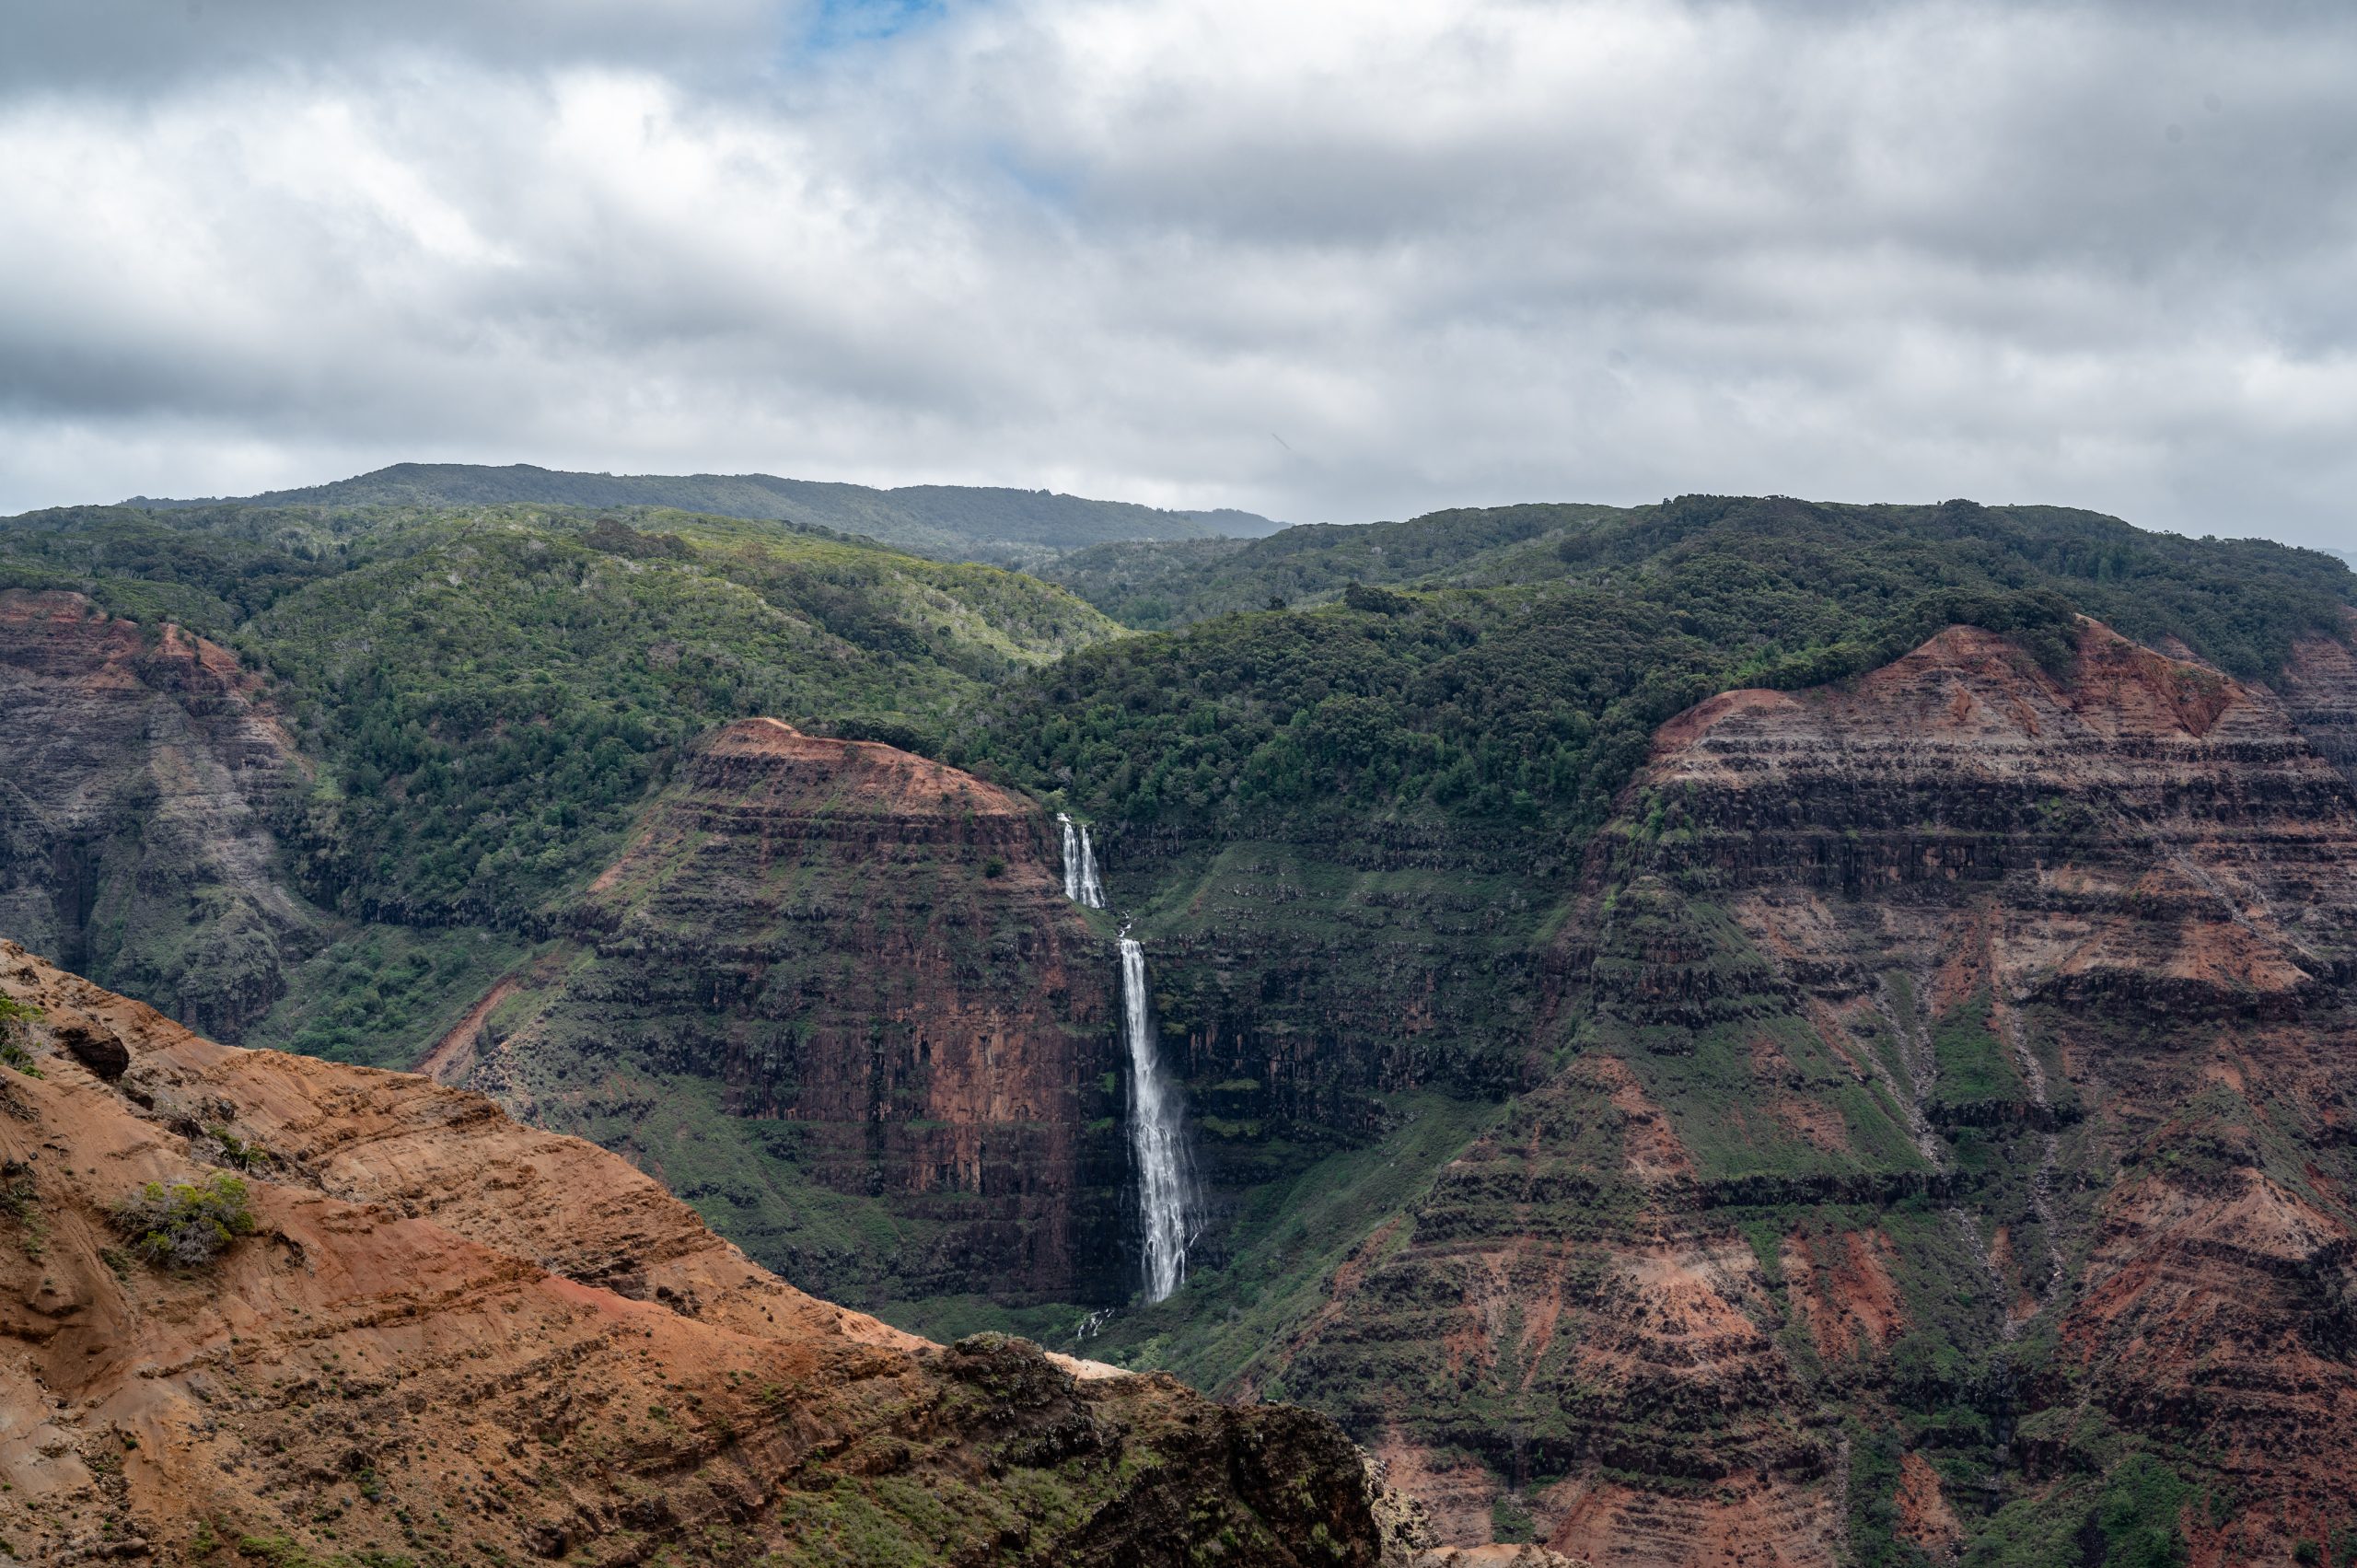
{"x": 1081, "y": 884}
{"x": 1092, "y": 892}
{"x": 1157, "y": 1141}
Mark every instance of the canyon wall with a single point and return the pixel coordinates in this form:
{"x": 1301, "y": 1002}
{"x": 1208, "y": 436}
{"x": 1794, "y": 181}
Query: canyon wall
{"x": 2319, "y": 689}
{"x": 868, "y": 958}
{"x": 1948, "y": 1113}
{"x": 136, "y": 843}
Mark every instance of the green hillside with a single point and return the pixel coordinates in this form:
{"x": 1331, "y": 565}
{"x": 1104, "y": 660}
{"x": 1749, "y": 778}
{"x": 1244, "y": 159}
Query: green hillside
{"x": 1860, "y": 556}
{"x": 1534, "y": 700}
{"x": 952, "y": 522}
{"x": 490, "y": 693}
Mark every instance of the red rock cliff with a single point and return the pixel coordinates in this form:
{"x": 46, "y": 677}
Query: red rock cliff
{"x": 872, "y": 952}
{"x": 453, "y": 1337}
{"x": 1968, "y": 1011}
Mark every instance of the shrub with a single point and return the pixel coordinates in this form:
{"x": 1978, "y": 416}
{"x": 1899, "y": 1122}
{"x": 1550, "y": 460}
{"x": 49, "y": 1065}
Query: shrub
{"x": 187, "y": 1223}
{"x": 13, "y": 1017}
{"x": 20, "y": 1201}
{"x": 236, "y": 1151}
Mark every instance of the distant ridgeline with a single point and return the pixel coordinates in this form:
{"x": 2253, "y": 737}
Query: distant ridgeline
{"x": 950, "y": 522}
{"x": 1731, "y": 1019}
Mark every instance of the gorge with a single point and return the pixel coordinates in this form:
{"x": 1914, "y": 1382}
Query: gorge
{"x": 1737, "y": 1031}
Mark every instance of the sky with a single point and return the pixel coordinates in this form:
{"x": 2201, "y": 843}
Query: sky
{"x": 1326, "y": 261}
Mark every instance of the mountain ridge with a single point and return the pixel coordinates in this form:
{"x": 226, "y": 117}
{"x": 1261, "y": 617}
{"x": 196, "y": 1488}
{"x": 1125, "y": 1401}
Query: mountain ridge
{"x": 995, "y": 524}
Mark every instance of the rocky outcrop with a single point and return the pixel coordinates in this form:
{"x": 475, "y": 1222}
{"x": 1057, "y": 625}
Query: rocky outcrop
{"x": 451, "y": 1337}
{"x": 142, "y": 764}
{"x": 1951, "y": 1086}
{"x": 870, "y": 956}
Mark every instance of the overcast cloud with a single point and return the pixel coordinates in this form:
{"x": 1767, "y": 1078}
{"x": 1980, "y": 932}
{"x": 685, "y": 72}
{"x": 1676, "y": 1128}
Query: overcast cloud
{"x": 1325, "y": 260}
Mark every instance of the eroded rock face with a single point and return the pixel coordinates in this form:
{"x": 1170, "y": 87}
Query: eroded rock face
{"x": 1972, "y": 1044}
{"x": 140, "y": 766}
{"x": 871, "y": 952}
{"x": 2319, "y": 689}
{"x": 450, "y": 1335}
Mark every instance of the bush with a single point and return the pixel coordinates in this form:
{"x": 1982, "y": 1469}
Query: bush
{"x": 188, "y": 1223}
{"x": 14, "y": 1017}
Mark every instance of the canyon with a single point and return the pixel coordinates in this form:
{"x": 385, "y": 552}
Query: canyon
{"x": 1873, "y": 1094}
{"x": 869, "y": 960}
{"x": 1954, "y": 1064}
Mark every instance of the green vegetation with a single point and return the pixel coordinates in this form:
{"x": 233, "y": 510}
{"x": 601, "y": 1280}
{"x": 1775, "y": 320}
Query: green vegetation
{"x": 382, "y": 995}
{"x": 282, "y": 1551}
{"x": 1534, "y": 701}
{"x": 1974, "y": 1067}
{"x": 500, "y": 696}
{"x": 1510, "y": 1521}
{"x": 20, "y": 1201}
{"x": 493, "y": 691}
{"x": 209, "y": 571}
{"x": 1874, "y": 1511}
{"x": 951, "y": 522}
{"x": 2129, "y": 1518}
{"x": 1165, "y": 584}
{"x": 16, "y": 1017}
{"x": 187, "y": 1223}
{"x": 2237, "y": 602}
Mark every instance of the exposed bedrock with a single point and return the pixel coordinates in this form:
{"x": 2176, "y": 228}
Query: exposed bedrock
{"x": 450, "y": 1337}
{"x": 1950, "y": 1096}
{"x": 138, "y": 770}
{"x": 2319, "y": 689}
{"x": 872, "y": 954}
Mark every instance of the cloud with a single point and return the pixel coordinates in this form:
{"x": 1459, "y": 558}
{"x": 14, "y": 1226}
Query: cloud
{"x": 1447, "y": 253}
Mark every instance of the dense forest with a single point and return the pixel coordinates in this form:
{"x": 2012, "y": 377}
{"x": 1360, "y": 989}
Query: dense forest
{"x": 1533, "y": 698}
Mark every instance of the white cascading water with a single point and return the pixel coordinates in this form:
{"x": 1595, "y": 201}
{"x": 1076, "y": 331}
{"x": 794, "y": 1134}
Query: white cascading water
{"x": 1081, "y": 884}
{"x": 1157, "y": 1141}
{"x": 1072, "y": 857}
{"x": 1092, "y": 892}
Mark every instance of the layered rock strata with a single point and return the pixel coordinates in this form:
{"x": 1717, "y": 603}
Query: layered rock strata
{"x": 141, "y": 764}
{"x": 1950, "y": 1109}
{"x": 2319, "y": 688}
{"x": 870, "y": 955}
{"x": 452, "y": 1337}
